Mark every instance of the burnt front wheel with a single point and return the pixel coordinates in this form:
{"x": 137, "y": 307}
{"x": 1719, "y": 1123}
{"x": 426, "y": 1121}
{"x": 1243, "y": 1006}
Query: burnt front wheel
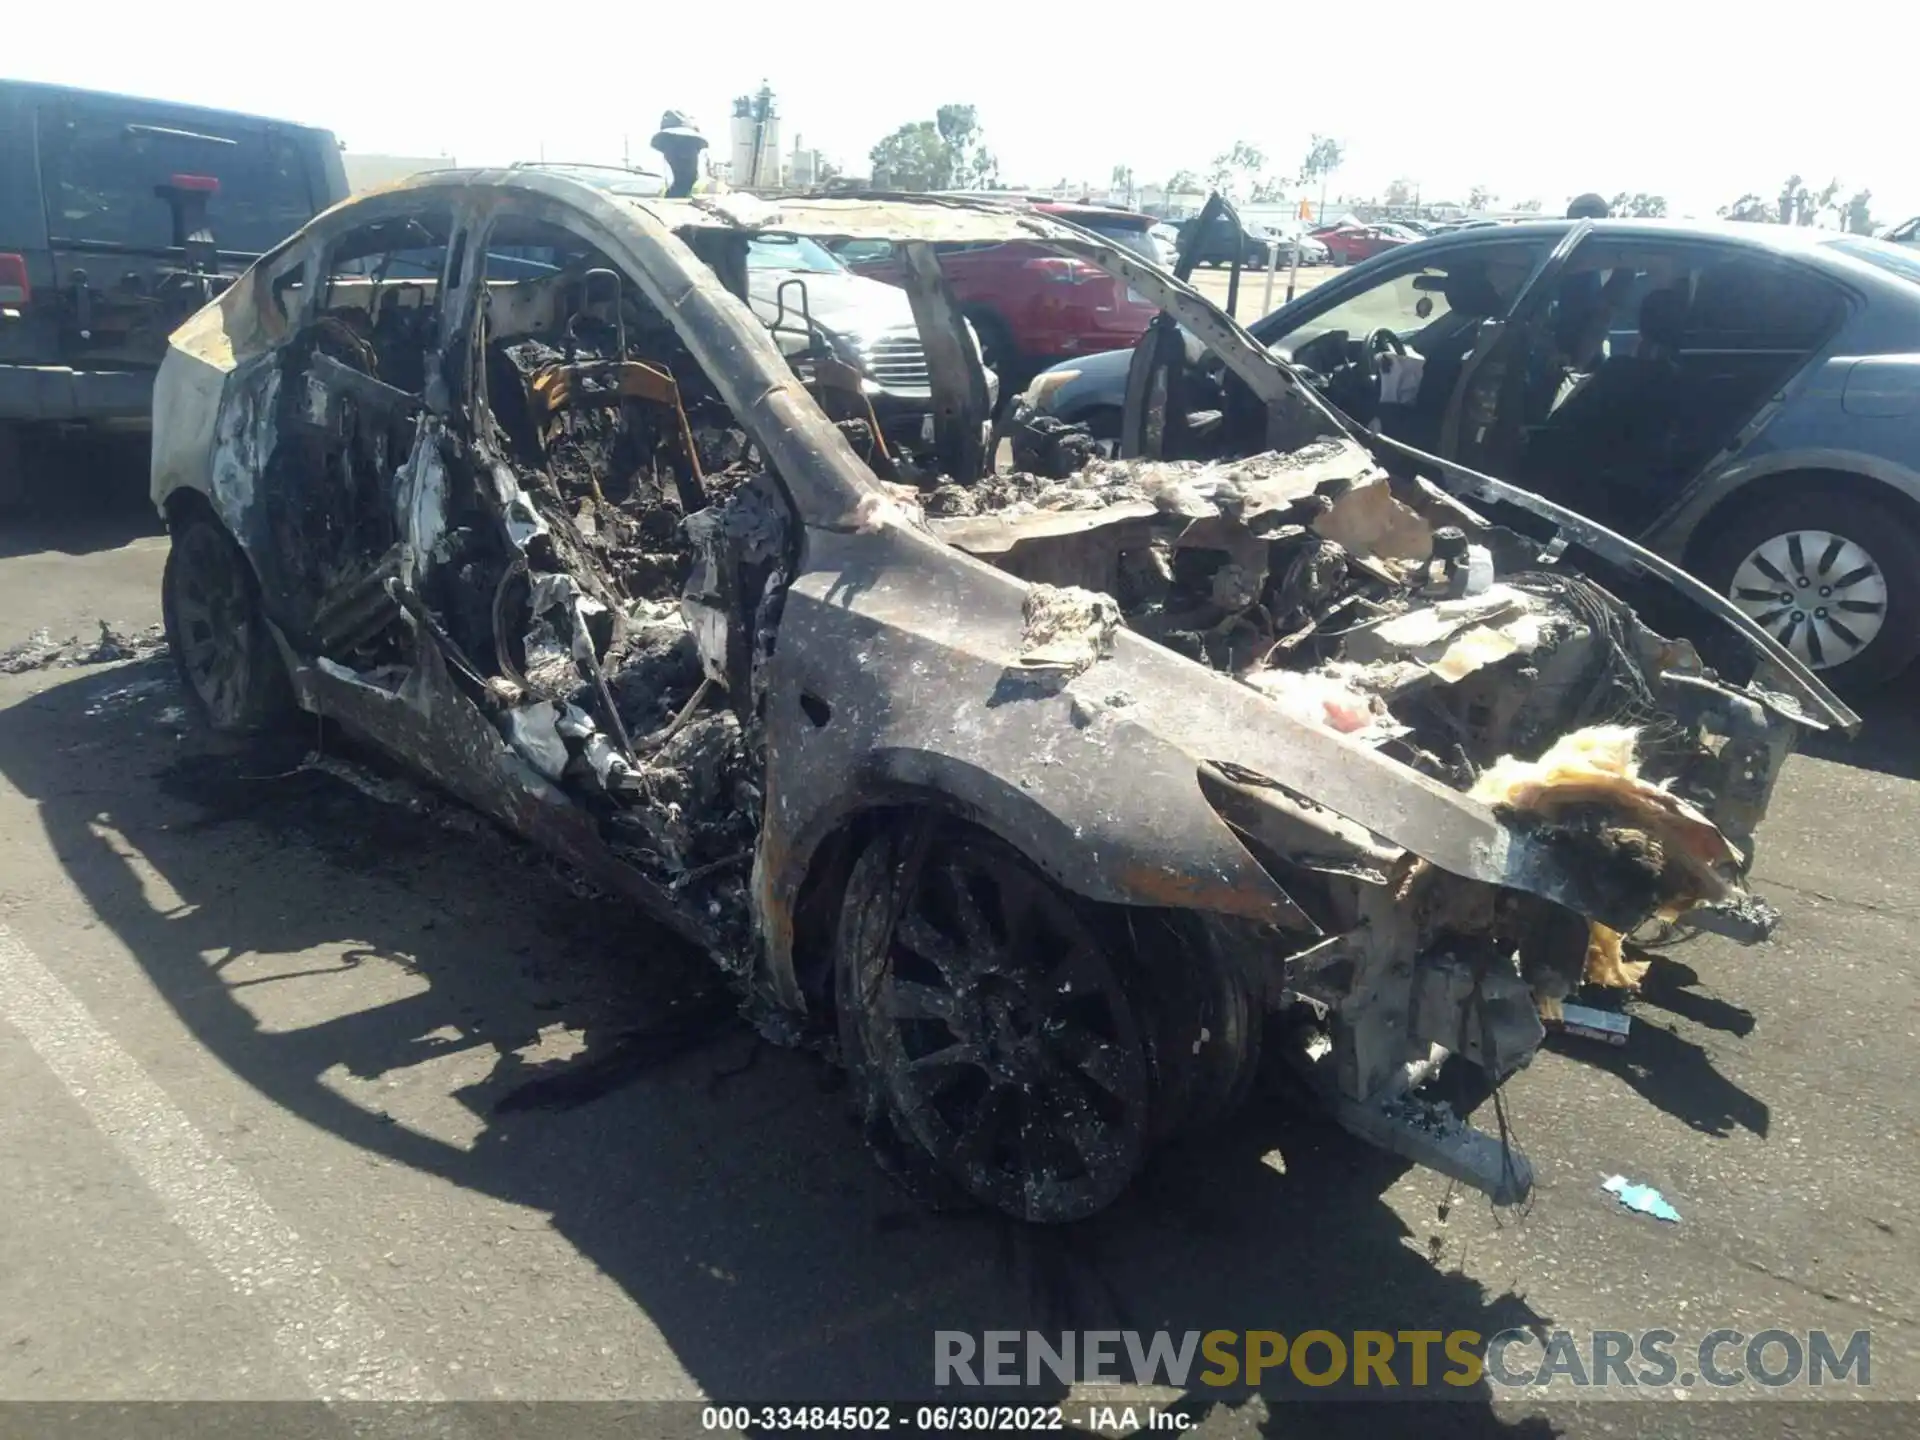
{"x": 232, "y": 673}
{"x": 986, "y": 1027}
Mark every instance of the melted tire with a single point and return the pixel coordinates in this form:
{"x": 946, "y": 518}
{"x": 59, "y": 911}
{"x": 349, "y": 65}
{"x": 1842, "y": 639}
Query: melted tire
{"x": 230, "y": 669}
{"x": 994, "y": 1051}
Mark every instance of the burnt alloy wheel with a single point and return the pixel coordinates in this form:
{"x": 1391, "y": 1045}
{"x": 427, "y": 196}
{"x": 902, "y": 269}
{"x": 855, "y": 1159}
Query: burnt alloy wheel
{"x": 980, "y": 1013}
{"x": 228, "y": 665}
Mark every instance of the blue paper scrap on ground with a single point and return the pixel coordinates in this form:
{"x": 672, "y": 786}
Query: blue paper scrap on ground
{"x": 1644, "y": 1198}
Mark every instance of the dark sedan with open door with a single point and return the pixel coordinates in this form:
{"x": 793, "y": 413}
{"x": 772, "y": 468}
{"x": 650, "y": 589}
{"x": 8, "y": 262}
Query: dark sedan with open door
{"x": 1743, "y": 399}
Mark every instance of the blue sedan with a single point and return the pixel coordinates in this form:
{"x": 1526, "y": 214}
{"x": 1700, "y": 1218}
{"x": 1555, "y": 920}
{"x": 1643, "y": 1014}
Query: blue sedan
{"x": 1743, "y": 399}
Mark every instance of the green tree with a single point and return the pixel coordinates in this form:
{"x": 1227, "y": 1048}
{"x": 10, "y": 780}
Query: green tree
{"x": 1237, "y": 171}
{"x": 1792, "y": 201}
{"x": 1528, "y": 207}
{"x": 1183, "y": 182}
{"x": 1639, "y": 205}
{"x": 1821, "y": 202}
{"x": 974, "y": 167}
{"x": 1479, "y": 198}
{"x": 1857, "y": 214}
{"x": 947, "y": 152}
{"x": 1752, "y": 208}
{"x": 1400, "y": 192}
{"x": 1323, "y": 157}
{"x": 914, "y": 157}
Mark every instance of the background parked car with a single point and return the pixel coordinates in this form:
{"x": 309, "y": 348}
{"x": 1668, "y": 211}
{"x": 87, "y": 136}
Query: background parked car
{"x": 1031, "y": 307}
{"x": 1312, "y": 251}
{"x": 799, "y": 289}
{"x": 1743, "y": 399}
{"x": 119, "y": 217}
{"x": 1350, "y": 244}
{"x": 1166, "y": 243}
{"x": 1259, "y": 245}
{"x": 1228, "y": 240}
{"x": 1907, "y": 233}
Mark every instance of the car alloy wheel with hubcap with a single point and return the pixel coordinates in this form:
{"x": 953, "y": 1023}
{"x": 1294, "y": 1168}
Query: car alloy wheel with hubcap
{"x": 1821, "y": 595}
{"x": 1000, "y": 1037}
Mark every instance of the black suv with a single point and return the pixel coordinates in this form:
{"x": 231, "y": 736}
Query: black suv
{"x": 1223, "y": 238}
{"x": 119, "y": 217}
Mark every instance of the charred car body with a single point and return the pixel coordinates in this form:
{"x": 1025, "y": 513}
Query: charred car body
{"x": 1048, "y": 798}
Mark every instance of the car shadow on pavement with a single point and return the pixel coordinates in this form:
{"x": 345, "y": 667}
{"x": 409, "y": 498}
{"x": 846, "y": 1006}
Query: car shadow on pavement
{"x": 1889, "y": 738}
{"x": 83, "y": 494}
{"x": 719, "y": 1182}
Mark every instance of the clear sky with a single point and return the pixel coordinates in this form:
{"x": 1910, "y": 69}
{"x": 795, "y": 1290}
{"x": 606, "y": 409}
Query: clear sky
{"x": 1699, "y": 102}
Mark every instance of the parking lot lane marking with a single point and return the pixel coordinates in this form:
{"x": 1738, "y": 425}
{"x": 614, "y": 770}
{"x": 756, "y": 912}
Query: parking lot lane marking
{"x": 336, "y": 1347}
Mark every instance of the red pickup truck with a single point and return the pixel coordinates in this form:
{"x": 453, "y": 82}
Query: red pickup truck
{"x": 1029, "y": 306}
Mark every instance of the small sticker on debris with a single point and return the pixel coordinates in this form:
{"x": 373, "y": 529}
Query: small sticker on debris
{"x": 1609, "y": 1027}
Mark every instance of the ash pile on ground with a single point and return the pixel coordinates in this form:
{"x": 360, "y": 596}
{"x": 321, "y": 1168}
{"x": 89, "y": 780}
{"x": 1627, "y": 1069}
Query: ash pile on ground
{"x": 40, "y": 651}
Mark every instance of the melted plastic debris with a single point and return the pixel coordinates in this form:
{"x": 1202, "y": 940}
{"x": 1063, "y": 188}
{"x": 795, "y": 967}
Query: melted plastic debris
{"x": 1315, "y": 698}
{"x": 1067, "y": 628}
{"x": 40, "y": 651}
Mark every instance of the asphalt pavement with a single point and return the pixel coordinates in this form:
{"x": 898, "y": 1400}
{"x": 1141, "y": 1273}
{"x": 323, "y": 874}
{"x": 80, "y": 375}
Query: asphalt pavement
{"x": 280, "y": 1116}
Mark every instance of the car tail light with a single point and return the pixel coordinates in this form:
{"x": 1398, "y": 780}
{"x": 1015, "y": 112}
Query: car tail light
{"x": 1063, "y": 271}
{"x": 15, "y": 288}
{"x": 205, "y": 184}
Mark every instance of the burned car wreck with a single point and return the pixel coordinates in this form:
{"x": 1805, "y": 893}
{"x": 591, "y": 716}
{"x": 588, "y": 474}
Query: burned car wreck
{"x": 1048, "y": 799}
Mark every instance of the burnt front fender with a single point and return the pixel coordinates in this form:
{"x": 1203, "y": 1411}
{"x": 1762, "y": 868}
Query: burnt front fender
{"x": 894, "y": 679}
{"x": 897, "y": 671}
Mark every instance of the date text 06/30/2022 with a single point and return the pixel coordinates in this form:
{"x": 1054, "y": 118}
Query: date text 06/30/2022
{"x": 1105, "y": 1418}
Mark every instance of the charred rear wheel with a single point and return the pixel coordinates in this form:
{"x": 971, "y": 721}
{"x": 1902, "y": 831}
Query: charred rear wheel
{"x": 232, "y": 673}
{"x": 986, "y": 1022}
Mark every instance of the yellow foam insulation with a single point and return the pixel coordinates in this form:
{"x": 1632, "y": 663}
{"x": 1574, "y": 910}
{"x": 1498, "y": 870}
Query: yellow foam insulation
{"x": 1606, "y": 965}
{"x": 1599, "y": 765}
